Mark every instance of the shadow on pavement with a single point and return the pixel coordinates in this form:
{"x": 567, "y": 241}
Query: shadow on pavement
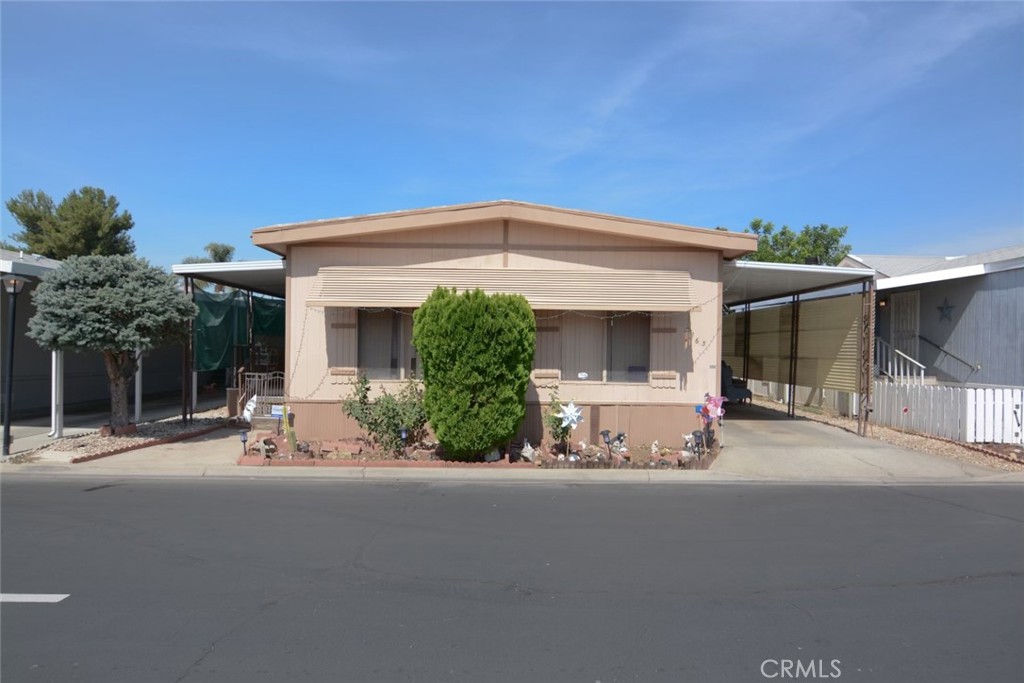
{"x": 747, "y": 411}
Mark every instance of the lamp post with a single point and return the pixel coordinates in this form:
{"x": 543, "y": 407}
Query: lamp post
{"x": 13, "y": 284}
{"x": 403, "y": 434}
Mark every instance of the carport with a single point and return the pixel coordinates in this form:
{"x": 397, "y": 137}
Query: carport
{"x": 800, "y": 325}
{"x": 247, "y": 277}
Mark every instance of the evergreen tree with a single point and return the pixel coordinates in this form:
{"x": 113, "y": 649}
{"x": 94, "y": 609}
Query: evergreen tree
{"x": 85, "y": 223}
{"x": 113, "y": 305}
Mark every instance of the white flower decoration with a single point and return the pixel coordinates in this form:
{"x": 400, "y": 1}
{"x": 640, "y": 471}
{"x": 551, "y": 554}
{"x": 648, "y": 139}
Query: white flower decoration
{"x": 571, "y": 415}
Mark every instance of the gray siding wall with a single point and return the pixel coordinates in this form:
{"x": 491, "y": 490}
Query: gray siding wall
{"x": 85, "y": 378}
{"x": 987, "y": 328}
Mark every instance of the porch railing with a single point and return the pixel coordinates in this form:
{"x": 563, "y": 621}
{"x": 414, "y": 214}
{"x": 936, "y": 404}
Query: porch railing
{"x": 896, "y": 365}
{"x": 267, "y": 387}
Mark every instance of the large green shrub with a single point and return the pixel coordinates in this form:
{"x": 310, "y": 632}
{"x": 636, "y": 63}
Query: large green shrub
{"x": 477, "y": 353}
{"x": 383, "y": 419}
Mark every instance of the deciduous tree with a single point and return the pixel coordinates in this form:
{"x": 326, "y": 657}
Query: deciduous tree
{"x": 821, "y": 244}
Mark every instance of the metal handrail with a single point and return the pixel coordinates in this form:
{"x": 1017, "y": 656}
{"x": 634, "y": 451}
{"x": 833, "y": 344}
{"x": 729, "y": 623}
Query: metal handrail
{"x": 268, "y": 387}
{"x": 973, "y": 366}
{"x": 897, "y": 364}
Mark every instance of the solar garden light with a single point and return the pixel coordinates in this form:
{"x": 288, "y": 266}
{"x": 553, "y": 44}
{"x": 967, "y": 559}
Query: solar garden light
{"x": 606, "y": 435}
{"x": 243, "y": 436}
{"x": 403, "y": 434}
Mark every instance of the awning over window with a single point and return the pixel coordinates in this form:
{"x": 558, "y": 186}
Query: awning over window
{"x": 582, "y": 290}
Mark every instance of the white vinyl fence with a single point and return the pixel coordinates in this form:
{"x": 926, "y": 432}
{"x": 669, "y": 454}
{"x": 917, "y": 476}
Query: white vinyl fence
{"x": 973, "y": 415}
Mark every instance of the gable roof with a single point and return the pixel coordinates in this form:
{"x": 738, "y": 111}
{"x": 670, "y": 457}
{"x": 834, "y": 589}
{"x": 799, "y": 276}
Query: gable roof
{"x": 902, "y": 271}
{"x": 898, "y": 266}
{"x": 277, "y": 238}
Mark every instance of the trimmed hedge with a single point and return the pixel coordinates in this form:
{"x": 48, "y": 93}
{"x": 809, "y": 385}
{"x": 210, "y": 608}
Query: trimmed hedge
{"x": 477, "y": 353}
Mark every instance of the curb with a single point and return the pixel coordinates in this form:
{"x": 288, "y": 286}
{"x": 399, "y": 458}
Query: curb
{"x": 146, "y": 444}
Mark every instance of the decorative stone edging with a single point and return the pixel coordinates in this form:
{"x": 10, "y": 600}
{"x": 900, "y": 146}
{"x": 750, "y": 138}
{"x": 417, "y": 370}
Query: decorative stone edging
{"x": 146, "y": 444}
{"x": 260, "y": 461}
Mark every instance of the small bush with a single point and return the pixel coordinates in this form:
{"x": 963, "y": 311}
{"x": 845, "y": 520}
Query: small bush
{"x": 383, "y": 419}
{"x": 477, "y": 353}
{"x": 553, "y": 421}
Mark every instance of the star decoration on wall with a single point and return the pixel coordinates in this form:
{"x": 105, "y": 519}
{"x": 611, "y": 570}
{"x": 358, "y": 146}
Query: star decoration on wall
{"x": 571, "y": 415}
{"x": 945, "y": 310}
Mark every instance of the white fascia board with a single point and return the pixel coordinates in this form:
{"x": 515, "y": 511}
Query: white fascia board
{"x": 227, "y": 267}
{"x": 803, "y": 268}
{"x": 948, "y": 274}
{"x": 22, "y": 268}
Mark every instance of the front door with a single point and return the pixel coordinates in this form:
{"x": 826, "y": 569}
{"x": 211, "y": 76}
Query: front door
{"x": 905, "y": 321}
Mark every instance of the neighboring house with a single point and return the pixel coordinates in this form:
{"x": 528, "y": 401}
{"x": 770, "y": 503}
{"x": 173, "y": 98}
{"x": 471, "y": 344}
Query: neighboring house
{"x": 629, "y": 311}
{"x": 961, "y": 317}
{"x": 85, "y": 377}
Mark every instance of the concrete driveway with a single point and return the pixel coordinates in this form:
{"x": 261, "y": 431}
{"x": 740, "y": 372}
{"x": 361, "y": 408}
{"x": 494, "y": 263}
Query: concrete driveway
{"x": 764, "y": 444}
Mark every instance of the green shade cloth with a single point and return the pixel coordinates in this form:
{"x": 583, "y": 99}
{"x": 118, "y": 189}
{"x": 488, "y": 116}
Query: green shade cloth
{"x": 268, "y": 317}
{"x": 223, "y": 324}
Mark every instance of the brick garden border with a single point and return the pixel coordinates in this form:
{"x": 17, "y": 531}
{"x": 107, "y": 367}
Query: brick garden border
{"x": 260, "y": 461}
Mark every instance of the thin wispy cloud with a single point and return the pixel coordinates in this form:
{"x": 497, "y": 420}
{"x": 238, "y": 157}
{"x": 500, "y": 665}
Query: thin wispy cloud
{"x": 894, "y": 59}
{"x": 855, "y": 61}
{"x": 306, "y": 42}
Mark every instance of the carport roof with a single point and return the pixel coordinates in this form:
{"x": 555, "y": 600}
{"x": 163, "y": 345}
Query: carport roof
{"x": 743, "y": 281}
{"x": 30, "y": 265}
{"x": 264, "y": 277}
{"x": 746, "y": 282}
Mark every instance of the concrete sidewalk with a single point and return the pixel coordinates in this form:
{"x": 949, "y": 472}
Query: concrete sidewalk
{"x": 756, "y": 450}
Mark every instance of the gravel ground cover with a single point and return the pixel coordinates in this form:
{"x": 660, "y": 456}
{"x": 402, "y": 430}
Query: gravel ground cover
{"x": 146, "y": 433}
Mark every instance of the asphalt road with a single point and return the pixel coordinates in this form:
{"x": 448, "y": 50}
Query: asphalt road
{"x": 213, "y": 580}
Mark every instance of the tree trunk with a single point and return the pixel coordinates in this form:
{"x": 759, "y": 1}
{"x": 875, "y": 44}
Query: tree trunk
{"x": 120, "y": 369}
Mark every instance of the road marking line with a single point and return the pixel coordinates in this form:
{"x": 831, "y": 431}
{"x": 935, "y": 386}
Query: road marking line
{"x": 33, "y": 597}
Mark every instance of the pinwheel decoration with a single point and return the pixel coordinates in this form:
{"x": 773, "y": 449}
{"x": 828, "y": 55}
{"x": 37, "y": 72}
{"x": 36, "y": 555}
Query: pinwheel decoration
{"x": 571, "y": 415}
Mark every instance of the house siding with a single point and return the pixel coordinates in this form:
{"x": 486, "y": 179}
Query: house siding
{"x": 987, "y": 328}
{"x": 322, "y": 342}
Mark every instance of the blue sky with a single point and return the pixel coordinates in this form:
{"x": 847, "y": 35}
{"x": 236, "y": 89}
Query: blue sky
{"x": 903, "y": 121}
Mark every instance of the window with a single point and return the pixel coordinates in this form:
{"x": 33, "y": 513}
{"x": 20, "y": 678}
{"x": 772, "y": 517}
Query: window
{"x": 629, "y": 348}
{"x": 385, "y": 344}
{"x": 594, "y": 346}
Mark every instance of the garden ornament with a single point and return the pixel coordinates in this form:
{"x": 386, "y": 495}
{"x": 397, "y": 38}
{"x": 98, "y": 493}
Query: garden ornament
{"x": 250, "y": 408}
{"x": 528, "y": 451}
{"x": 571, "y": 415}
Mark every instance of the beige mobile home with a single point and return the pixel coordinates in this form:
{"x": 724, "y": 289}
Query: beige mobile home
{"x": 629, "y": 312}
